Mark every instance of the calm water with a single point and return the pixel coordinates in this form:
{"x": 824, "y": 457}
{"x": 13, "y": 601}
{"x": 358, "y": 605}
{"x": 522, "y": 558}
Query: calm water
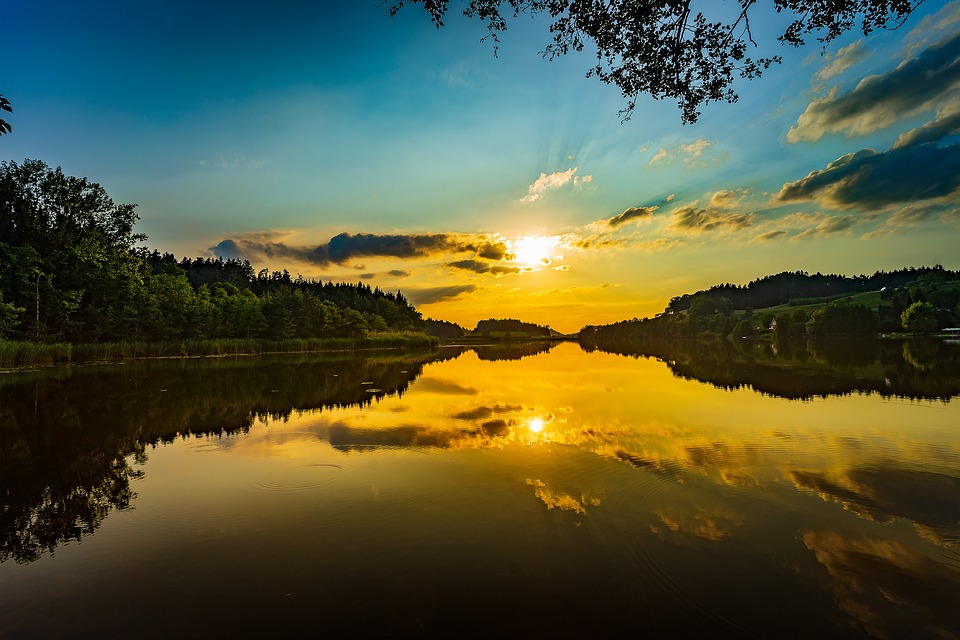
{"x": 476, "y": 493}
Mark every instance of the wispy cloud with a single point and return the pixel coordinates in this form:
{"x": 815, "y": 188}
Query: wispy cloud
{"x": 547, "y": 182}
{"x": 690, "y": 153}
{"x": 843, "y": 59}
{"x": 770, "y": 235}
{"x": 431, "y": 295}
{"x": 690, "y": 218}
{"x": 237, "y": 162}
{"x": 728, "y": 199}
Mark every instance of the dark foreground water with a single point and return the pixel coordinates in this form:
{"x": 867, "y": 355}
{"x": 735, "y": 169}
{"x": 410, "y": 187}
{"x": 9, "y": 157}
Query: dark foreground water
{"x": 455, "y": 494}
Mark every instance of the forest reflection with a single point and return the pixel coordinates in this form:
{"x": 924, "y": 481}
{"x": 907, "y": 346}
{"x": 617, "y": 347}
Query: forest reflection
{"x": 73, "y": 440}
{"x": 801, "y": 370}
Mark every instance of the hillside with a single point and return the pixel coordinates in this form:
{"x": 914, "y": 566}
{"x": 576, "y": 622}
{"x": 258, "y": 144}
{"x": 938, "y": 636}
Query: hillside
{"x": 799, "y": 304}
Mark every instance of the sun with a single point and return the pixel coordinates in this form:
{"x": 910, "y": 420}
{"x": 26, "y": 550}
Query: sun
{"x": 536, "y": 425}
{"x": 533, "y": 250}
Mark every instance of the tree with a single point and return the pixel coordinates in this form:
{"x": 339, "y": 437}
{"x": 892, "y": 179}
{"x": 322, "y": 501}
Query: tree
{"x": 668, "y": 49}
{"x": 919, "y": 317}
{"x": 5, "y": 106}
{"x": 842, "y": 319}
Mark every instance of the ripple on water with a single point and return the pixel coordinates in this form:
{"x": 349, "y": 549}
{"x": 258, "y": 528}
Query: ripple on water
{"x": 301, "y": 477}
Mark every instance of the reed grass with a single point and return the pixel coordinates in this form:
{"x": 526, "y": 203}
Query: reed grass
{"x": 16, "y": 354}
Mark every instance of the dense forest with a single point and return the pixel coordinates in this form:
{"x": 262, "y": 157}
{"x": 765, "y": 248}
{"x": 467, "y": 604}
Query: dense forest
{"x": 793, "y": 305}
{"x": 71, "y": 271}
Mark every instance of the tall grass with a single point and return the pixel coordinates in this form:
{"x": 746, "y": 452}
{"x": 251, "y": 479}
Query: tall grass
{"x": 25, "y": 354}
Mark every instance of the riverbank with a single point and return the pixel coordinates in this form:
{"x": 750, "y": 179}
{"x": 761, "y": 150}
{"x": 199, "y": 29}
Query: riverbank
{"x": 15, "y": 354}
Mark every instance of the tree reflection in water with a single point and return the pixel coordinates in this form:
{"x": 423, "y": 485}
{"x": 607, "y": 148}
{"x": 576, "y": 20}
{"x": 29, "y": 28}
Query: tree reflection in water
{"x": 401, "y": 493}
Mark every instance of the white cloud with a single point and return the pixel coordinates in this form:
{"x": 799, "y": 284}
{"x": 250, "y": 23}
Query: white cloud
{"x": 690, "y": 153}
{"x": 842, "y": 60}
{"x": 547, "y": 182}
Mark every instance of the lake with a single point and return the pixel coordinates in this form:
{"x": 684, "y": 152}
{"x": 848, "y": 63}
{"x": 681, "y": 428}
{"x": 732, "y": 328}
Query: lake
{"x": 534, "y": 491}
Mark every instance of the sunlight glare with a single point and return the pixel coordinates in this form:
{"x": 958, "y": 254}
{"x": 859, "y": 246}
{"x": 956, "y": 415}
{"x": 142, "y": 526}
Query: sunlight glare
{"x": 536, "y": 425}
{"x": 533, "y": 250}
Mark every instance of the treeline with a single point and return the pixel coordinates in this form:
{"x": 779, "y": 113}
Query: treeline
{"x": 70, "y": 272}
{"x": 926, "y": 299}
{"x": 797, "y": 286}
{"x": 510, "y": 325}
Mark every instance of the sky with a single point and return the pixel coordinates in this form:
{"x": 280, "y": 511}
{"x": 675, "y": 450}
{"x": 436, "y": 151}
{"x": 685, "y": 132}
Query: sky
{"x": 338, "y": 143}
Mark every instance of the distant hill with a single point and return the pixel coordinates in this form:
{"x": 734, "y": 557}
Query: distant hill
{"x": 794, "y": 304}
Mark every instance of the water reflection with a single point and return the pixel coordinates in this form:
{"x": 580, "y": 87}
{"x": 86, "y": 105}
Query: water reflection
{"x": 71, "y": 440}
{"x": 565, "y": 483}
{"x": 921, "y": 369}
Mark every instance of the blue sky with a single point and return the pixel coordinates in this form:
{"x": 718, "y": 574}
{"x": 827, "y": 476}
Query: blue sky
{"x": 336, "y": 142}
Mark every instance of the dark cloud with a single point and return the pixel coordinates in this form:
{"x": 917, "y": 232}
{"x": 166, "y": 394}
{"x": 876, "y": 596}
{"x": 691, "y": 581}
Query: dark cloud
{"x": 429, "y": 295}
{"x": 883, "y": 494}
{"x": 946, "y": 123}
{"x": 398, "y": 273}
{"x": 446, "y": 387}
{"x": 345, "y": 247}
{"x": 886, "y": 588}
{"x": 481, "y": 413}
{"x": 492, "y": 250}
{"x": 879, "y": 101}
{"x": 689, "y": 218}
{"x": 870, "y": 180}
{"x": 367, "y": 276}
{"x": 242, "y": 249}
{"x": 481, "y": 266}
{"x": 633, "y": 213}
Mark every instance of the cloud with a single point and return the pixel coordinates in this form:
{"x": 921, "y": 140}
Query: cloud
{"x": 345, "y": 247}
{"x": 946, "y": 122}
{"x": 597, "y": 242}
{"x": 887, "y": 588}
{"x": 431, "y": 295}
{"x": 399, "y": 273}
{"x": 690, "y": 218}
{"x": 481, "y": 266}
{"x": 769, "y": 235}
{"x": 934, "y": 26}
{"x": 661, "y": 154}
{"x": 240, "y": 162}
{"x": 725, "y": 199}
{"x": 842, "y": 60}
{"x": 871, "y": 181}
{"x": 547, "y": 182}
{"x": 829, "y": 226}
{"x": 916, "y": 85}
{"x": 628, "y": 215}
{"x": 689, "y": 153}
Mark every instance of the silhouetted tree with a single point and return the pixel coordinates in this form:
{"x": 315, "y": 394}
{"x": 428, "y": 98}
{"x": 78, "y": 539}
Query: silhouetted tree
{"x": 668, "y": 48}
{"x": 5, "y": 106}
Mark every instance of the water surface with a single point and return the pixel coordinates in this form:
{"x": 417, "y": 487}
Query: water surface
{"x": 472, "y": 492}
